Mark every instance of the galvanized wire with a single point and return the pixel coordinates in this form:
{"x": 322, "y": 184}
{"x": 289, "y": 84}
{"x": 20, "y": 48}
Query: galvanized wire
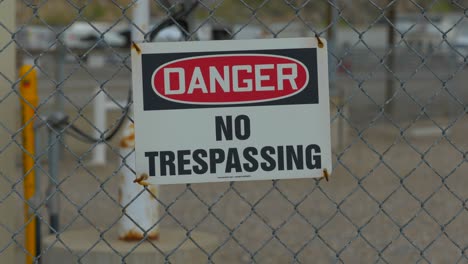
{"x": 394, "y": 196}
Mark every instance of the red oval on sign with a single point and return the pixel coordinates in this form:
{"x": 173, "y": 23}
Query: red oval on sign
{"x": 230, "y": 79}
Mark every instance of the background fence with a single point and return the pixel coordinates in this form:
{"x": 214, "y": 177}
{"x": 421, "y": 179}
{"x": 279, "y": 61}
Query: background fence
{"x": 399, "y": 187}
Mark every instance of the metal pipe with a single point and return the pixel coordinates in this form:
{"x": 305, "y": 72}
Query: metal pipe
{"x": 52, "y": 202}
{"x": 28, "y": 91}
{"x": 389, "y": 84}
{"x": 141, "y": 19}
{"x": 37, "y": 195}
{"x": 54, "y": 120}
{"x": 60, "y": 76}
{"x": 141, "y": 210}
{"x": 100, "y": 121}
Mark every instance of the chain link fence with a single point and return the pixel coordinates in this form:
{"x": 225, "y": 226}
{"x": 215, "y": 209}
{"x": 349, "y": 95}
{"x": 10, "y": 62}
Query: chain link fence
{"x": 399, "y": 187}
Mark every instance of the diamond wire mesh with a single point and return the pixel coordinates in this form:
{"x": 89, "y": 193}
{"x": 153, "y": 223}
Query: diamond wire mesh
{"x": 396, "y": 193}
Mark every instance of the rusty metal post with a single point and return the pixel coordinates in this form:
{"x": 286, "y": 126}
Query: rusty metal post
{"x": 29, "y": 101}
{"x": 140, "y": 209}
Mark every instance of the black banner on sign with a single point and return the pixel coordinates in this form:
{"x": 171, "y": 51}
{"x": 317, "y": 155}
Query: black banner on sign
{"x": 292, "y": 75}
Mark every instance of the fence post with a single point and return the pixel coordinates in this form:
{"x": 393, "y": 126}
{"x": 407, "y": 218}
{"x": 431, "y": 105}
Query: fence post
{"x": 141, "y": 211}
{"x": 29, "y": 101}
{"x": 141, "y": 19}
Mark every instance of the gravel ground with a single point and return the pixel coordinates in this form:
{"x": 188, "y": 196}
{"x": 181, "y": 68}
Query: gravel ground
{"x": 397, "y": 192}
{"x": 390, "y": 198}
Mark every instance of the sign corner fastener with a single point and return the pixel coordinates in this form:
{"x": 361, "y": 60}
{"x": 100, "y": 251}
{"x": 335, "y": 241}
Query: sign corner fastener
{"x": 136, "y": 48}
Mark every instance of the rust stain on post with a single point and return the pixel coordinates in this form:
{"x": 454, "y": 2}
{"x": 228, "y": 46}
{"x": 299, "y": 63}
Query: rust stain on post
{"x": 128, "y": 141}
{"x": 131, "y": 137}
{"x": 132, "y": 235}
{"x": 135, "y": 46}
{"x": 125, "y": 144}
{"x": 141, "y": 179}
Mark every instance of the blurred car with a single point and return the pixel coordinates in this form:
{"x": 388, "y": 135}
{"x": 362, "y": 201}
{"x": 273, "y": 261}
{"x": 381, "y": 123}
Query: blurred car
{"x": 170, "y": 33}
{"x": 83, "y": 35}
{"x": 426, "y": 34}
{"x": 210, "y": 31}
{"x": 423, "y": 37}
{"x": 36, "y": 38}
{"x": 163, "y": 32}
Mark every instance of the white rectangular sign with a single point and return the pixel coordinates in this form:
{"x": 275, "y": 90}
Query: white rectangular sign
{"x": 231, "y": 110}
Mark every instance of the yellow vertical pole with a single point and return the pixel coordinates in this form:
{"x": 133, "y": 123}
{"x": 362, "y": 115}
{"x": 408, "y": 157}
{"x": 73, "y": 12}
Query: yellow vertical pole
{"x": 29, "y": 101}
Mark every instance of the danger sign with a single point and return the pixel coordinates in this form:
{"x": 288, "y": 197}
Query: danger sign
{"x": 255, "y": 78}
{"x": 231, "y": 110}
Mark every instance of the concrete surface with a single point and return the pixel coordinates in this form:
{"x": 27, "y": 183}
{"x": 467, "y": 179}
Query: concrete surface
{"x": 86, "y": 245}
{"x": 379, "y": 185}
